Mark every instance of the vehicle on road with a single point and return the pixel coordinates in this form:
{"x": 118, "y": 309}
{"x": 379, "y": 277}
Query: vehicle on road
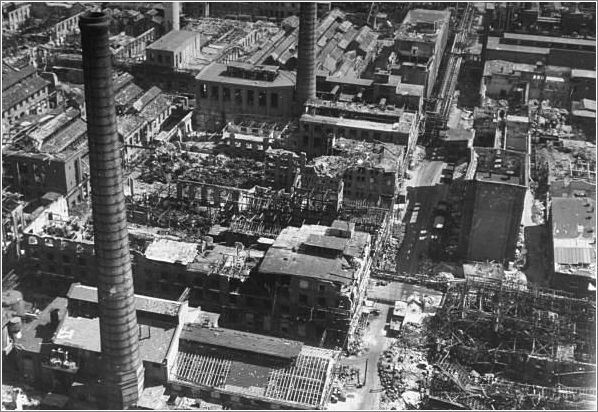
{"x": 439, "y": 222}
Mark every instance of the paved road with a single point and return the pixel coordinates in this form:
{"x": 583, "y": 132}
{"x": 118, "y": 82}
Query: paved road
{"x": 377, "y": 343}
{"x": 415, "y": 244}
{"x": 427, "y": 174}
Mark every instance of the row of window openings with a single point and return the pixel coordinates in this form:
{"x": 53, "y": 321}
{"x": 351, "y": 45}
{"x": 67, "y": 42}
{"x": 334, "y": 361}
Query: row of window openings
{"x": 214, "y": 284}
{"x": 238, "y": 96}
{"x": 166, "y": 59}
{"x": 24, "y": 103}
{"x": 249, "y": 301}
{"x": 341, "y": 131}
{"x": 363, "y": 179}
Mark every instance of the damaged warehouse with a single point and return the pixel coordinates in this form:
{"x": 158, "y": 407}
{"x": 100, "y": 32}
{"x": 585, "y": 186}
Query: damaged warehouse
{"x": 299, "y": 206}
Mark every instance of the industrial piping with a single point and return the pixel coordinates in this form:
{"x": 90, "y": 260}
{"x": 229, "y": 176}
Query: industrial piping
{"x": 306, "y": 68}
{"x": 122, "y": 374}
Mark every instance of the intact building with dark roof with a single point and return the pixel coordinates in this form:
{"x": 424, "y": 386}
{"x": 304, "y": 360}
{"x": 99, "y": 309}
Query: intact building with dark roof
{"x": 493, "y": 199}
{"x": 571, "y": 52}
{"x": 23, "y": 93}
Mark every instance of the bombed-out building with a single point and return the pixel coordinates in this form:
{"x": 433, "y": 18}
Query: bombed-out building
{"x": 324, "y": 121}
{"x": 51, "y": 156}
{"x": 229, "y": 280}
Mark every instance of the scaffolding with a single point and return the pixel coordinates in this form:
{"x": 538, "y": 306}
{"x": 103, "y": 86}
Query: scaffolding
{"x": 531, "y": 336}
{"x": 302, "y": 382}
{"x": 201, "y": 369}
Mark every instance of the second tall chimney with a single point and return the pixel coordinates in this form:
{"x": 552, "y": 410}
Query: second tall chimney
{"x": 172, "y": 15}
{"x": 306, "y": 65}
{"x": 122, "y": 374}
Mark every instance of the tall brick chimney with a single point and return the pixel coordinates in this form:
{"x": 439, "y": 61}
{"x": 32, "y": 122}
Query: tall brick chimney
{"x": 122, "y": 374}
{"x": 172, "y": 15}
{"x": 306, "y": 65}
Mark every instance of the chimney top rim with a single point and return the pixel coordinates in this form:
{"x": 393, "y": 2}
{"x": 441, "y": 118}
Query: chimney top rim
{"x": 93, "y": 18}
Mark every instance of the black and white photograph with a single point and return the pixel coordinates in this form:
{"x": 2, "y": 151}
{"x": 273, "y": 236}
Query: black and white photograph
{"x": 259, "y": 205}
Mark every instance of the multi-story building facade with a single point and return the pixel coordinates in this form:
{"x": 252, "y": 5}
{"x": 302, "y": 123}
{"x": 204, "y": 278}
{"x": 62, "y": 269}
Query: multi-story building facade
{"x": 316, "y": 277}
{"x": 50, "y": 158}
{"x": 269, "y": 299}
{"x": 325, "y": 121}
{"x": 23, "y": 93}
{"x": 174, "y": 50}
{"x": 239, "y": 90}
{"x": 420, "y": 43}
{"x": 14, "y": 15}
{"x": 493, "y": 198}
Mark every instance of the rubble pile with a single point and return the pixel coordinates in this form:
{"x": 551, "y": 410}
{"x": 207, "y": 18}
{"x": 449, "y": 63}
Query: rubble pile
{"x": 387, "y": 260}
{"x": 404, "y": 370}
{"x": 73, "y": 228}
{"x": 357, "y": 344}
{"x": 168, "y": 164}
{"x": 346, "y": 379}
{"x": 549, "y": 121}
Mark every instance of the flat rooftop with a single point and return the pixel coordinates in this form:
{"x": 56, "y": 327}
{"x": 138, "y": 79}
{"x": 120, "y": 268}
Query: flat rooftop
{"x": 173, "y": 40}
{"x": 495, "y": 44}
{"x": 39, "y": 331}
{"x": 505, "y": 67}
{"x": 171, "y": 251}
{"x": 217, "y": 73}
{"x": 501, "y": 166}
{"x": 573, "y": 217}
{"x": 289, "y": 256}
{"x": 553, "y": 40}
{"x": 322, "y": 106}
{"x": 397, "y": 127}
{"x": 580, "y": 73}
{"x": 217, "y": 257}
{"x": 423, "y": 25}
{"x": 84, "y": 333}
{"x": 574, "y": 236}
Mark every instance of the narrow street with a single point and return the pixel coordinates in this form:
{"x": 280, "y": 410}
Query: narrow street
{"x": 368, "y": 396}
{"x": 424, "y": 192}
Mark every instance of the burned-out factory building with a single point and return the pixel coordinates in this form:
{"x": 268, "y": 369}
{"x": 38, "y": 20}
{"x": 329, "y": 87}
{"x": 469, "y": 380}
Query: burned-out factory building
{"x": 298, "y": 206}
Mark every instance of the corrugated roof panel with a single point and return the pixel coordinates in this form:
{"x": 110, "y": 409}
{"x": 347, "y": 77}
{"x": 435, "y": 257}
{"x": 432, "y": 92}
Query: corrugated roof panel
{"x": 573, "y": 255}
